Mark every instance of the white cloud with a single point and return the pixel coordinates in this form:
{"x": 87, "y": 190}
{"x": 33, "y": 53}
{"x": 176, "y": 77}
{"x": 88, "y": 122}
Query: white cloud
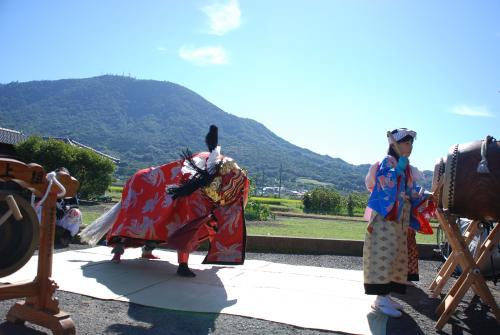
{"x": 161, "y": 49}
{"x": 223, "y": 17}
{"x": 204, "y": 56}
{"x": 480, "y": 111}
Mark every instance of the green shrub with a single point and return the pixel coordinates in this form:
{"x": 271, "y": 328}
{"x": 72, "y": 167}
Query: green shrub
{"x": 93, "y": 171}
{"x": 322, "y": 200}
{"x": 256, "y": 211}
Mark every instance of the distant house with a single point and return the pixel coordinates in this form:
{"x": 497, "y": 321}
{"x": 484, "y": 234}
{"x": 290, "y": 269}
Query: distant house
{"x": 9, "y": 138}
{"x": 270, "y": 191}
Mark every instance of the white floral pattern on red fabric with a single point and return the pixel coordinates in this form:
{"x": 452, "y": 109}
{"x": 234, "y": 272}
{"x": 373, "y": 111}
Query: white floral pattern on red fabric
{"x": 148, "y": 212}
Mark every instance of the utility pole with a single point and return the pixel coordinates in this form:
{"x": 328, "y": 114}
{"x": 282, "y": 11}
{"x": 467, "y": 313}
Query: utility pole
{"x": 279, "y": 189}
{"x": 262, "y": 190}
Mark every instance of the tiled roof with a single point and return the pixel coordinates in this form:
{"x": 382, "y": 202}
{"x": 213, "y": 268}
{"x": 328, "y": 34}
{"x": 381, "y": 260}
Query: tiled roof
{"x": 80, "y": 145}
{"x": 10, "y": 136}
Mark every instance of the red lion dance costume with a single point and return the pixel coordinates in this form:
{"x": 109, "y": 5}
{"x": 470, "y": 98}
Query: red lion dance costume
{"x": 182, "y": 203}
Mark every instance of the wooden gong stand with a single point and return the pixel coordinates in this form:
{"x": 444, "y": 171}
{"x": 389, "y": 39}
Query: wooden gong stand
{"x": 40, "y": 306}
{"x": 471, "y": 275}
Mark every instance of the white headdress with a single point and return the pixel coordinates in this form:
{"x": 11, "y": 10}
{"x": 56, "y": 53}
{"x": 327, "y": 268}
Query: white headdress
{"x": 401, "y": 133}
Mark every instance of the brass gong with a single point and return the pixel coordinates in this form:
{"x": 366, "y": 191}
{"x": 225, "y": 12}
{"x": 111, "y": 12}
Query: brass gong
{"x": 19, "y": 232}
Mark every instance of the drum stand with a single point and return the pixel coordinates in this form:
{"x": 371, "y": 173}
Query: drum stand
{"x": 471, "y": 275}
{"x": 40, "y": 306}
{"x": 451, "y": 263}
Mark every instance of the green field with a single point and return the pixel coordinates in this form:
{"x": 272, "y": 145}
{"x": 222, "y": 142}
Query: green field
{"x": 278, "y": 201}
{"x": 92, "y": 212}
{"x": 329, "y": 227}
{"x": 295, "y": 205}
{"x": 115, "y": 192}
{"x": 89, "y": 216}
{"x": 280, "y": 204}
{"x": 317, "y": 228}
{"x": 286, "y": 226}
{"x": 308, "y": 181}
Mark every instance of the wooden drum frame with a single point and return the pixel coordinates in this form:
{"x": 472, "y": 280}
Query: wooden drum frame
{"x": 40, "y": 306}
{"x": 471, "y": 275}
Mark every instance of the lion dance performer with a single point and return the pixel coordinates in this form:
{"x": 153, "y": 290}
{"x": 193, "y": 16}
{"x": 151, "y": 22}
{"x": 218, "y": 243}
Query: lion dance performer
{"x": 201, "y": 196}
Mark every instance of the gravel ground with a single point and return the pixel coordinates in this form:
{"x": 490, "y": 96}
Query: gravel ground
{"x": 94, "y": 316}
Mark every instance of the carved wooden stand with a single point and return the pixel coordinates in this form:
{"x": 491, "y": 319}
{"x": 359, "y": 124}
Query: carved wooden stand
{"x": 471, "y": 275}
{"x": 40, "y": 306}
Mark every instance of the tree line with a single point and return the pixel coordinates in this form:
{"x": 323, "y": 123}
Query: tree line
{"x": 93, "y": 171}
{"x": 323, "y": 200}
{"x": 95, "y": 174}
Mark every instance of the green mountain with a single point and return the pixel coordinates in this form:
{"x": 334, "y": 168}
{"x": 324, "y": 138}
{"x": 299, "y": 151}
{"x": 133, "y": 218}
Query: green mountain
{"x": 146, "y": 122}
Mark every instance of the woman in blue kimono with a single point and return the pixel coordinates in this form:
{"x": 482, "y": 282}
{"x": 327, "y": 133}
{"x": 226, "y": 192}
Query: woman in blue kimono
{"x": 395, "y": 203}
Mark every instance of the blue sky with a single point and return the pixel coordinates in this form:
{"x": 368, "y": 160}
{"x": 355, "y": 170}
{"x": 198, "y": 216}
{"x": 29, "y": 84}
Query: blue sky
{"x": 330, "y": 76}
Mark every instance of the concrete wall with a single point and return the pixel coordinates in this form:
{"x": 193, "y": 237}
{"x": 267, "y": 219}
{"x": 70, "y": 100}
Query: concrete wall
{"x": 299, "y": 245}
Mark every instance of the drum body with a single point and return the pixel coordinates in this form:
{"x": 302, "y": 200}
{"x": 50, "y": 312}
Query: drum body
{"x": 18, "y": 239}
{"x": 466, "y": 192}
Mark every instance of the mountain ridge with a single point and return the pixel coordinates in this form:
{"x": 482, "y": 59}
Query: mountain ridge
{"x": 149, "y": 122}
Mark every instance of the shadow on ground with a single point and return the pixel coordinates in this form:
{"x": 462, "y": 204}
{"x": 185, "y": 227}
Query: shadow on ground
{"x": 7, "y": 328}
{"x": 153, "y": 320}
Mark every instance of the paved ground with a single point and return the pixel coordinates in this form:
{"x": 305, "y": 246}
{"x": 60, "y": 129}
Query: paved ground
{"x": 93, "y": 316}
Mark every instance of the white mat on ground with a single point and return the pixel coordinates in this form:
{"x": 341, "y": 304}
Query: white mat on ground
{"x": 304, "y": 296}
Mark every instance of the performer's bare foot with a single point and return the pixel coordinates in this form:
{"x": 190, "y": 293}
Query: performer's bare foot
{"x": 149, "y": 255}
{"x": 116, "y": 258}
{"x": 184, "y": 271}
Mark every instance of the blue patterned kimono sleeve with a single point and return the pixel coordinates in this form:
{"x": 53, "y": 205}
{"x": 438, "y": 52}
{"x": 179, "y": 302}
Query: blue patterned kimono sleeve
{"x": 384, "y": 193}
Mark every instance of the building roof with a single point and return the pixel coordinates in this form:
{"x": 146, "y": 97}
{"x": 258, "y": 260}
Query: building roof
{"x": 80, "y": 145}
{"x": 10, "y": 136}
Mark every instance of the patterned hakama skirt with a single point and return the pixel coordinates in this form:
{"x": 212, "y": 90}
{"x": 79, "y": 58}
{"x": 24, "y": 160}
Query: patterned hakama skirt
{"x": 385, "y": 254}
{"x": 412, "y": 255}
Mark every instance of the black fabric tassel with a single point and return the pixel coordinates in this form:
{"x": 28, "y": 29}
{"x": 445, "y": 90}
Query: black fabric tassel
{"x": 212, "y": 138}
{"x": 198, "y": 181}
{"x": 201, "y": 178}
